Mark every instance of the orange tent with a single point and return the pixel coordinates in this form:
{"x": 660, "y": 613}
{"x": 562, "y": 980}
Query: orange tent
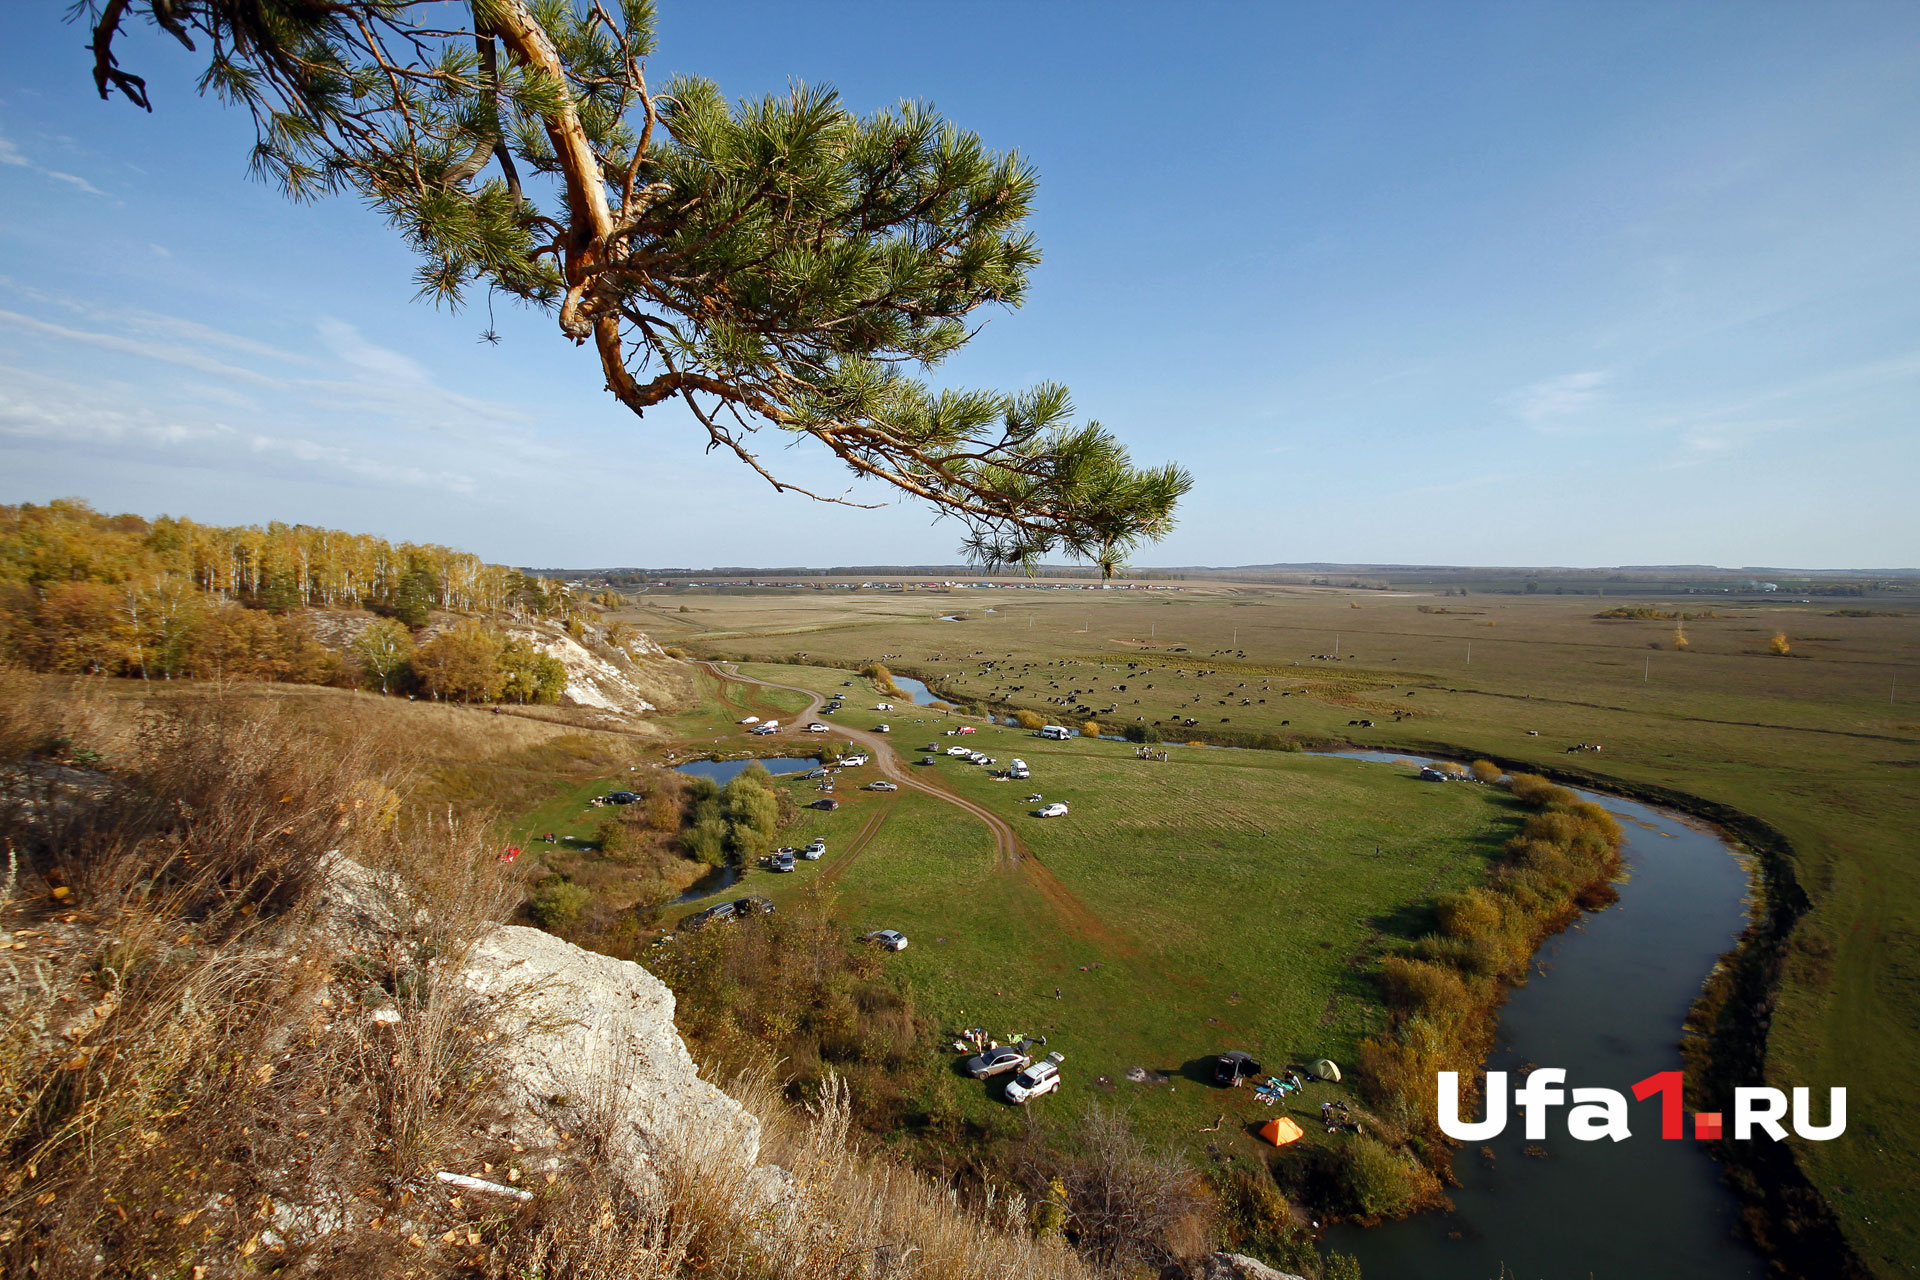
{"x": 1281, "y": 1131}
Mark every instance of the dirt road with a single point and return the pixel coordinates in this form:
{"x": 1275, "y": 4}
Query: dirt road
{"x": 1010, "y": 853}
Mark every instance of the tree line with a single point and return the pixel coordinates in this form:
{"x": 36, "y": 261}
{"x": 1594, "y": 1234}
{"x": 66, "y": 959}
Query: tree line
{"x": 83, "y": 592}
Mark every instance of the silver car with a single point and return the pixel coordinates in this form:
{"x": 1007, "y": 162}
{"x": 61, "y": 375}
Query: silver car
{"x": 996, "y": 1062}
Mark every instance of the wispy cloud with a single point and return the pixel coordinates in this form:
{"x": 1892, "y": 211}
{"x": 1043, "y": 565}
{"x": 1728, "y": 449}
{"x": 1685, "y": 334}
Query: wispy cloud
{"x": 40, "y": 412}
{"x": 1700, "y": 443}
{"x": 10, "y": 153}
{"x": 1552, "y": 401}
{"x": 183, "y": 356}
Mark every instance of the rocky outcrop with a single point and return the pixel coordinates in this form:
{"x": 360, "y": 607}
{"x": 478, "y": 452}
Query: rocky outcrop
{"x": 592, "y": 681}
{"x": 584, "y": 1038}
{"x": 1238, "y": 1266}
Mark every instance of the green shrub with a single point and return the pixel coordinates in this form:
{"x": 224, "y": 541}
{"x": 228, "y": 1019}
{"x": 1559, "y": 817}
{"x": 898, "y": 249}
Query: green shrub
{"x": 706, "y": 841}
{"x": 1472, "y": 913}
{"x": 1257, "y": 1220}
{"x": 1374, "y": 1181}
{"x": 614, "y": 837}
{"x": 557, "y": 904}
{"x": 1532, "y": 789}
{"x": 1142, "y": 733}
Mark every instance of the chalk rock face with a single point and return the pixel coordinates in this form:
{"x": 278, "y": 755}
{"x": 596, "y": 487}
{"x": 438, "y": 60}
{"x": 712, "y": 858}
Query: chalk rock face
{"x": 584, "y": 1036}
{"x": 1238, "y": 1266}
{"x": 592, "y": 681}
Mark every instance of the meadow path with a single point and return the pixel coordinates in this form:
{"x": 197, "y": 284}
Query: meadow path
{"x": 1006, "y": 844}
{"x": 1009, "y": 852}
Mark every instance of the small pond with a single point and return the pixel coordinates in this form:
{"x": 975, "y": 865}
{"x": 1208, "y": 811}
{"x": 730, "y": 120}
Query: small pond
{"x": 711, "y": 883}
{"x": 920, "y": 693}
{"x": 725, "y": 771}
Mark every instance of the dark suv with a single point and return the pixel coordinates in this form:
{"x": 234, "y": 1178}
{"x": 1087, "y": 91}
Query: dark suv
{"x": 718, "y": 912}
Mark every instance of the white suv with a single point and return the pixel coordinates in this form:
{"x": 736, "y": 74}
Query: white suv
{"x": 1038, "y": 1079}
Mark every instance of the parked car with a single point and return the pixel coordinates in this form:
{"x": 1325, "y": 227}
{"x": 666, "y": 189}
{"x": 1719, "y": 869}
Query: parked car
{"x": 959, "y": 751}
{"x": 883, "y": 785}
{"x": 891, "y": 939}
{"x": 720, "y": 911}
{"x": 827, "y": 802}
{"x": 620, "y": 797}
{"x": 749, "y": 720}
{"x": 883, "y": 706}
{"x": 853, "y": 762}
{"x": 816, "y": 727}
{"x": 781, "y": 861}
{"x": 813, "y": 852}
{"x": 965, "y": 728}
{"x": 1037, "y": 1080}
{"x": 883, "y": 728}
{"x": 752, "y": 907}
{"x": 1054, "y": 810}
{"x": 927, "y": 760}
{"x": 996, "y": 1062}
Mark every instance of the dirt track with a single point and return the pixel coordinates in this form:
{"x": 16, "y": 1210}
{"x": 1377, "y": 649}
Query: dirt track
{"x": 1010, "y": 853}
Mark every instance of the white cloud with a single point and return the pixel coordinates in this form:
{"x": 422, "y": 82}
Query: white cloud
{"x": 46, "y": 413}
{"x": 11, "y": 154}
{"x": 184, "y": 357}
{"x": 1550, "y": 401}
{"x": 370, "y": 359}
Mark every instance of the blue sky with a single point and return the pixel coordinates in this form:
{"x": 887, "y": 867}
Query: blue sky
{"x": 1465, "y": 283}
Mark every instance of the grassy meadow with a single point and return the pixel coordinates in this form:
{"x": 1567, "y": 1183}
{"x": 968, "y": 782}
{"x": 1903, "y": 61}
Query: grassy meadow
{"x": 1821, "y": 743}
{"x": 1223, "y": 899}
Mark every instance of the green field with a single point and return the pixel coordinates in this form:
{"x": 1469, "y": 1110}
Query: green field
{"x": 1821, "y": 744}
{"x": 1221, "y": 899}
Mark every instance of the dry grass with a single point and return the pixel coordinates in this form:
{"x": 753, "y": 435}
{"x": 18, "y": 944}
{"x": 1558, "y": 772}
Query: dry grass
{"x": 216, "y": 1062}
{"x": 192, "y": 1071}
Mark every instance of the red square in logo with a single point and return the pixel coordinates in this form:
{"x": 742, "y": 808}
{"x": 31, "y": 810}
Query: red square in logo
{"x": 1706, "y": 1125}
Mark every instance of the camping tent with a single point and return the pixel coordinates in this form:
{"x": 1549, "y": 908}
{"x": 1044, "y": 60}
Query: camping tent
{"x": 1326, "y": 1070}
{"x": 1233, "y": 1066}
{"x": 1281, "y": 1130}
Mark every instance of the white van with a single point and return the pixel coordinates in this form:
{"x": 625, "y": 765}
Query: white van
{"x": 1057, "y": 731}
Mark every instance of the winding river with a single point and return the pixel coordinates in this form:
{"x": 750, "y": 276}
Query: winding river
{"x": 1606, "y": 1002}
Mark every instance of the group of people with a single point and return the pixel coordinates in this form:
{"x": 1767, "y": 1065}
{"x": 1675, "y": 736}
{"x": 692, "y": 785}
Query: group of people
{"x": 1336, "y": 1117}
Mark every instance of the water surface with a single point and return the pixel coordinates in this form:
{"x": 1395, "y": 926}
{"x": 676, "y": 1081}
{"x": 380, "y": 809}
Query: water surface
{"x": 915, "y": 689}
{"x": 724, "y": 771}
{"x": 1606, "y": 1002}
